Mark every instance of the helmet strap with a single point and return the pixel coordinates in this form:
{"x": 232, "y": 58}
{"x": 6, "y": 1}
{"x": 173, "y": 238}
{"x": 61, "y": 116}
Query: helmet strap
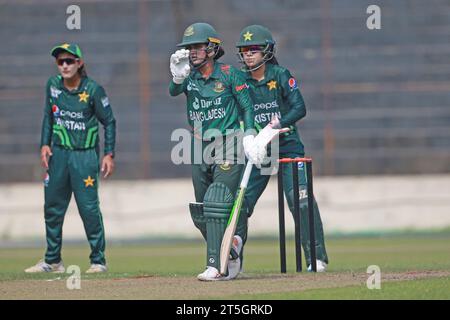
{"x": 268, "y": 51}
{"x": 211, "y": 46}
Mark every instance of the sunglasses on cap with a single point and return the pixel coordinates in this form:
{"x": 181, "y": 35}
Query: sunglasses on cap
{"x": 251, "y": 49}
{"x": 68, "y": 61}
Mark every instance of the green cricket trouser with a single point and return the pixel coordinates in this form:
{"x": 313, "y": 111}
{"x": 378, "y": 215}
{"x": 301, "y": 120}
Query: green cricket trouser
{"x": 206, "y": 177}
{"x": 203, "y": 175}
{"x": 73, "y": 171}
{"x": 258, "y": 183}
{"x": 215, "y": 186}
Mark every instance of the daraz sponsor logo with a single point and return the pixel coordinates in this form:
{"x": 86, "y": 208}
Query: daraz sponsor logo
{"x": 241, "y": 87}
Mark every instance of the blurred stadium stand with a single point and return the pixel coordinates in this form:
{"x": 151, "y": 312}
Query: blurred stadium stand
{"x": 378, "y": 101}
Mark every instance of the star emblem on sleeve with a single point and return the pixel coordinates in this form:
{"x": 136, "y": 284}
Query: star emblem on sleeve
{"x": 89, "y": 182}
{"x": 83, "y": 96}
{"x": 272, "y": 84}
{"x": 248, "y": 36}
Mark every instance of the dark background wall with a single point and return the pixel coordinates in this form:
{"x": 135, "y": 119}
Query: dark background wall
{"x": 378, "y": 101}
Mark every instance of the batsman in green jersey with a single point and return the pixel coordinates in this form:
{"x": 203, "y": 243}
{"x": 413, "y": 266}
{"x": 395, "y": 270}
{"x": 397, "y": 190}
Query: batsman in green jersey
{"x": 216, "y": 96}
{"x": 278, "y": 102}
{"x": 74, "y": 106}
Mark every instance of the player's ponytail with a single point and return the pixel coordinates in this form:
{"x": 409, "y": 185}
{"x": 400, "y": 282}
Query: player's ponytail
{"x": 269, "y": 56}
{"x": 273, "y": 60}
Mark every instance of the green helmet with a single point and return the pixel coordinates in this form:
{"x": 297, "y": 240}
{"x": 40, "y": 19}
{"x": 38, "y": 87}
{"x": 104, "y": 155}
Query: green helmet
{"x": 199, "y": 32}
{"x": 255, "y": 35}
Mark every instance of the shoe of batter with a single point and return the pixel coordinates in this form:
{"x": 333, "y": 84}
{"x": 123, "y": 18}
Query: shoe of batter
{"x": 321, "y": 266}
{"x": 211, "y": 274}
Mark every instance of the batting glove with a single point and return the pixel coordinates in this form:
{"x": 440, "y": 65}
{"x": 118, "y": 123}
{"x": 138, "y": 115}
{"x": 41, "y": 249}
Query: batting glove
{"x": 179, "y": 65}
{"x": 254, "y": 151}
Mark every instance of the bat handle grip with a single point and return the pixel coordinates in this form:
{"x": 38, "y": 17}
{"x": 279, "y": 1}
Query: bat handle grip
{"x": 246, "y": 176}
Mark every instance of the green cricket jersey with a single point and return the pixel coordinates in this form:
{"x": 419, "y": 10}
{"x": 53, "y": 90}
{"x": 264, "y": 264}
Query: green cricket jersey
{"x": 71, "y": 117}
{"x": 216, "y": 102}
{"x": 278, "y": 94}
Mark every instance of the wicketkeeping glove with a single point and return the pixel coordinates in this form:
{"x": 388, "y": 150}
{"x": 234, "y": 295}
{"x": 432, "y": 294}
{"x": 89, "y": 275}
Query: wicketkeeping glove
{"x": 179, "y": 65}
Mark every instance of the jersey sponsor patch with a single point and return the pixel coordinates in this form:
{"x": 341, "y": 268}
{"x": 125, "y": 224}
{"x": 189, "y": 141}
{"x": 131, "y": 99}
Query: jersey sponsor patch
{"x": 105, "y": 102}
{"x": 265, "y": 106}
{"x": 241, "y": 87}
{"x": 192, "y": 86}
{"x": 55, "y": 110}
{"x": 293, "y": 83}
{"x": 54, "y": 92}
{"x": 225, "y": 68}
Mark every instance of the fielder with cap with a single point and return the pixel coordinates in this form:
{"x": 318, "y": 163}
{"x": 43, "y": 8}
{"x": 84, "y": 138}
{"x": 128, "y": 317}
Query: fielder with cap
{"x": 74, "y": 106}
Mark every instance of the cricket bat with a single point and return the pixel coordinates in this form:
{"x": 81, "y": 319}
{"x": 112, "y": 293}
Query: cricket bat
{"x": 263, "y": 138}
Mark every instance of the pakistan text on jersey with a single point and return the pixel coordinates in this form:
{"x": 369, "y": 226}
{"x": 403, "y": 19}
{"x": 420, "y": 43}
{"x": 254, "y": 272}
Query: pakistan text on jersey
{"x": 71, "y": 125}
{"x": 266, "y": 117}
{"x": 206, "y": 116}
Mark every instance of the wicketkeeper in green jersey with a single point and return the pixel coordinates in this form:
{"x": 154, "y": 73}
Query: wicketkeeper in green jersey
{"x": 278, "y": 102}
{"x": 216, "y": 95}
{"x": 74, "y": 106}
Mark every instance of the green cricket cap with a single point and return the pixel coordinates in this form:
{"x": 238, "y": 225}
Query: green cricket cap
{"x": 67, "y": 47}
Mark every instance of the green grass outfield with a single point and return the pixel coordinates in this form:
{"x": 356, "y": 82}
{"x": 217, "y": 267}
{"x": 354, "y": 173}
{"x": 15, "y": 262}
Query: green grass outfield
{"x": 401, "y": 258}
{"x": 434, "y": 289}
